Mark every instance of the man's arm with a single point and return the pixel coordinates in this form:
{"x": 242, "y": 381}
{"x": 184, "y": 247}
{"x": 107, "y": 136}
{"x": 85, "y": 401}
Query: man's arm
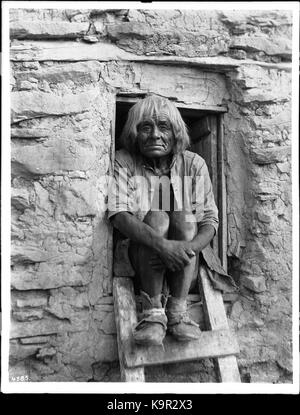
{"x": 174, "y": 254}
{"x": 202, "y": 239}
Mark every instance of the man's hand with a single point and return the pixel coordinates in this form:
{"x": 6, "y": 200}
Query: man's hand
{"x": 174, "y": 255}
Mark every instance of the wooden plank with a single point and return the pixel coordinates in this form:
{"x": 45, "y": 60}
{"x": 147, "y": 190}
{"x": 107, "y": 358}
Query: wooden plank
{"x": 211, "y": 344}
{"x": 207, "y": 148}
{"x": 207, "y": 140}
{"x": 126, "y": 318}
{"x": 202, "y": 107}
{"x": 132, "y": 97}
{"x": 216, "y": 319}
{"x": 213, "y": 169}
{"x": 193, "y": 298}
{"x": 222, "y": 199}
{"x": 204, "y": 138}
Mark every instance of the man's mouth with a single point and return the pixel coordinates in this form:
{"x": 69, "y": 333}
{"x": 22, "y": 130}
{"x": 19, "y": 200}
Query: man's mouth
{"x": 155, "y": 146}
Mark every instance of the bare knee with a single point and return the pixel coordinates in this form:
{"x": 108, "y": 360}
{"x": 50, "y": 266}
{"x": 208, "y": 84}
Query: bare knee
{"x": 159, "y": 221}
{"x": 183, "y": 226}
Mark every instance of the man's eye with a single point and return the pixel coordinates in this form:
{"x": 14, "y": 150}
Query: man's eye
{"x": 145, "y": 128}
{"x": 164, "y": 127}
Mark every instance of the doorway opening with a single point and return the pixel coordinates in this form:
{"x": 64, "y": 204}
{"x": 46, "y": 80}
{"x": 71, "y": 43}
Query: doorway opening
{"x": 205, "y": 128}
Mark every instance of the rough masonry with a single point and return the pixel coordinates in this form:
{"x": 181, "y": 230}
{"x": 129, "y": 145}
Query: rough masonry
{"x": 67, "y": 67}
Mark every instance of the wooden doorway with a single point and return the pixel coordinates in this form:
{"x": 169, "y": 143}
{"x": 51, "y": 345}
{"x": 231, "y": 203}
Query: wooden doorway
{"x": 206, "y": 132}
{"x": 206, "y": 135}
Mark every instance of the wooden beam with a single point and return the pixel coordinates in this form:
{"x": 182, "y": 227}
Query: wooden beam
{"x": 126, "y": 318}
{"x": 202, "y": 107}
{"x": 212, "y": 144}
{"x": 211, "y": 344}
{"x": 216, "y": 319}
{"x": 222, "y": 197}
{"x": 133, "y": 97}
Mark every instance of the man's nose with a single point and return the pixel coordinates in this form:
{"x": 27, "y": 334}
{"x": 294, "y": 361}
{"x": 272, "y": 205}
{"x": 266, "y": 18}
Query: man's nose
{"x": 155, "y": 132}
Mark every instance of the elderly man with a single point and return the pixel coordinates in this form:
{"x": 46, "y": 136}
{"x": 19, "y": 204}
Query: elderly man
{"x": 163, "y": 202}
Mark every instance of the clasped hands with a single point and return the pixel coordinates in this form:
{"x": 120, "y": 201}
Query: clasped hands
{"x": 174, "y": 255}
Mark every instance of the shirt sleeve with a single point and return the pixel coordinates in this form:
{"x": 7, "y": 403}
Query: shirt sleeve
{"x": 205, "y": 208}
{"x": 121, "y": 187}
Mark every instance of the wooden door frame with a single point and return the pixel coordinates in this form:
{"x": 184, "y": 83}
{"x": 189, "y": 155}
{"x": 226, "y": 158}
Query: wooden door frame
{"x": 217, "y": 111}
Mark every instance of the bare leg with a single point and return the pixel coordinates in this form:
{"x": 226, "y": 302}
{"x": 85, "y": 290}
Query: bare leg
{"x": 151, "y": 281}
{"x": 181, "y": 229}
{"x": 151, "y": 329}
{"x": 180, "y": 325}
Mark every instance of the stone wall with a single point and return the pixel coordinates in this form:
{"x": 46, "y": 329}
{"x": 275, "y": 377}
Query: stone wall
{"x": 67, "y": 66}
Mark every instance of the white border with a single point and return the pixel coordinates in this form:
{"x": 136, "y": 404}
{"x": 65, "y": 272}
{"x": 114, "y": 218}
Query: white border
{"x": 155, "y": 5}
{"x": 295, "y": 192}
{"x": 161, "y": 388}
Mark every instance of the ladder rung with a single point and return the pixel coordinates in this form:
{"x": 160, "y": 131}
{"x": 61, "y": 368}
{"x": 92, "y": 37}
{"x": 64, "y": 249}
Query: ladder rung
{"x": 215, "y": 343}
{"x": 219, "y": 343}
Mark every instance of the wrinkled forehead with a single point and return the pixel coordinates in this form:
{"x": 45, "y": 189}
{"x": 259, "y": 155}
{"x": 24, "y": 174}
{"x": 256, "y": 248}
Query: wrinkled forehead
{"x": 153, "y": 117}
{"x": 156, "y": 113}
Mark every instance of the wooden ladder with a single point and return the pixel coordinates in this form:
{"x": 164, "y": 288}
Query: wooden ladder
{"x": 218, "y": 342}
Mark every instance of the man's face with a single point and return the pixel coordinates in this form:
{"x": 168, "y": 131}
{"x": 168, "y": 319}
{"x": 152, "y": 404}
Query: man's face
{"x": 155, "y": 136}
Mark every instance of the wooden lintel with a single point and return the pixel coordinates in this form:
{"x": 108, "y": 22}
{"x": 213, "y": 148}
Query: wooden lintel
{"x": 132, "y": 97}
{"x": 201, "y": 107}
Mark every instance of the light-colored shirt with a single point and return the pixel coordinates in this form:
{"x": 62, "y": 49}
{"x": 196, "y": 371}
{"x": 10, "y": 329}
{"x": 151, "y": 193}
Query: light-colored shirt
{"x": 134, "y": 184}
{"x": 133, "y": 190}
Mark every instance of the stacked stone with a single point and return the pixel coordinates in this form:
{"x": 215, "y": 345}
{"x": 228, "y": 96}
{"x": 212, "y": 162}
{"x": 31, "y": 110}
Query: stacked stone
{"x": 61, "y": 147}
{"x": 258, "y": 127}
{"x": 66, "y": 68}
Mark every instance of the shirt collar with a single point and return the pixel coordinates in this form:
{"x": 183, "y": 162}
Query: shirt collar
{"x": 143, "y": 162}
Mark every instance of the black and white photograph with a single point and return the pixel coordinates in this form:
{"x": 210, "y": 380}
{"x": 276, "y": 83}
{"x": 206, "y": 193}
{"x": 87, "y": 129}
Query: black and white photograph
{"x": 150, "y": 202}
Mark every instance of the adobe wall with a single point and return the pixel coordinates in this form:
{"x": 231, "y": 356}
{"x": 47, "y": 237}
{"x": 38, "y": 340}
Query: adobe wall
{"x": 67, "y": 66}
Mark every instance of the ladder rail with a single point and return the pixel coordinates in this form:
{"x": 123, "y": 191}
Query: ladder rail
{"x": 126, "y": 318}
{"x": 216, "y": 319}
